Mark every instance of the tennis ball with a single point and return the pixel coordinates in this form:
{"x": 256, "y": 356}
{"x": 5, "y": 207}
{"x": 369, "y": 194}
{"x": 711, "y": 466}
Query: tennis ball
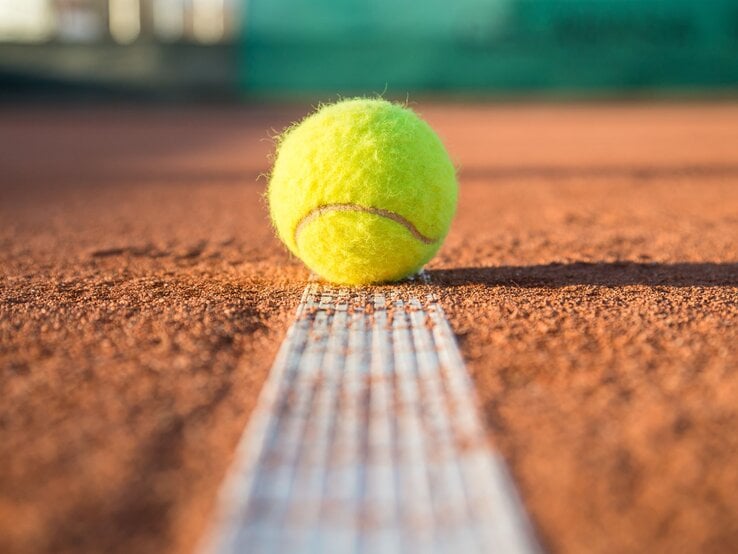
{"x": 362, "y": 191}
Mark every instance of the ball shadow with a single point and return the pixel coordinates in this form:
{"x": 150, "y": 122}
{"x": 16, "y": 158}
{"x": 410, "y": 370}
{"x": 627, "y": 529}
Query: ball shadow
{"x": 555, "y": 275}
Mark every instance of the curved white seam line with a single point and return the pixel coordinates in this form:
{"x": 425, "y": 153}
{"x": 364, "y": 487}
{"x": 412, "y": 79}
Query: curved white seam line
{"x": 327, "y": 208}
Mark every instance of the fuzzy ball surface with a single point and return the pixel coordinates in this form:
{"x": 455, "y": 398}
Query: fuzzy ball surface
{"x": 362, "y": 191}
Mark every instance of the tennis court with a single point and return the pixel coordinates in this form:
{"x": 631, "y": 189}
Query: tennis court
{"x": 590, "y": 281}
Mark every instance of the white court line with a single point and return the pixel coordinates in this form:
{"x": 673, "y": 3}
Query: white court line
{"x": 367, "y": 439}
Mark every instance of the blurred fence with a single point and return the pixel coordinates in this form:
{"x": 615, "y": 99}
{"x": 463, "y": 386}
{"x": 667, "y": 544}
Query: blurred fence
{"x": 227, "y": 48}
{"x": 490, "y": 45}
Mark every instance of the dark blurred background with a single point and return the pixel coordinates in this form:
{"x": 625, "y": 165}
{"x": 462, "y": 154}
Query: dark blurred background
{"x": 235, "y": 49}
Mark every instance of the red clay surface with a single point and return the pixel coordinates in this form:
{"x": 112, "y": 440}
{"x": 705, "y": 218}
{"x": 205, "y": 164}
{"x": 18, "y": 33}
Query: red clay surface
{"x": 591, "y": 277}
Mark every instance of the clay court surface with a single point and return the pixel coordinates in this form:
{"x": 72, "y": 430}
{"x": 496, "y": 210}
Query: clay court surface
{"x": 591, "y": 278}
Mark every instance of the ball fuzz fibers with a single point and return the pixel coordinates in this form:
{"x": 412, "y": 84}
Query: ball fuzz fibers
{"x": 362, "y": 191}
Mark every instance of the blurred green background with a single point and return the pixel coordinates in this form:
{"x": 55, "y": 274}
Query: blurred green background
{"x": 490, "y": 45}
{"x": 233, "y": 49}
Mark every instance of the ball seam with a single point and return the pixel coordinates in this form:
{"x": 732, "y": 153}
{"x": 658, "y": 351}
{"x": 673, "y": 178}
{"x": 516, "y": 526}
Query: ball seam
{"x": 348, "y": 207}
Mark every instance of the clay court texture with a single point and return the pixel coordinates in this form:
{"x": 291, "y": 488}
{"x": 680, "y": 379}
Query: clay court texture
{"x": 591, "y": 279}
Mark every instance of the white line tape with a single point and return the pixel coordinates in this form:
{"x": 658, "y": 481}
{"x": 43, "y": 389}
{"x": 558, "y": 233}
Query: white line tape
{"x": 367, "y": 439}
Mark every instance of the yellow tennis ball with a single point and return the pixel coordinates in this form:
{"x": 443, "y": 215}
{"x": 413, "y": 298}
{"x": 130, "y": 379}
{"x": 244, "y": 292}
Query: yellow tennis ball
{"x": 362, "y": 191}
